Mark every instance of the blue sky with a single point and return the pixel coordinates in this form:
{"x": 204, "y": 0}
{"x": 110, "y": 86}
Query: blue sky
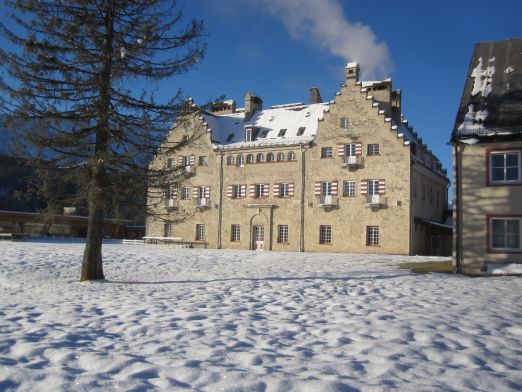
{"x": 280, "y": 48}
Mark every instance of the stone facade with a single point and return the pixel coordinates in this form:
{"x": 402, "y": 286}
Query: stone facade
{"x": 343, "y": 176}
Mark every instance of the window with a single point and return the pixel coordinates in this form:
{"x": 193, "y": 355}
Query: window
{"x": 231, "y": 160}
{"x": 373, "y": 149}
{"x": 171, "y": 192}
{"x": 260, "y": 190}
{"x": 270, "y": 157}
{"x": 504, "y": 167}
{"x": 372, "y": 235}
{"x": 348, "y": 188}
{"x": 167, "y": 229}
{"x": 280, "y": 156}
{"x": 235, "y": 233}
{"x": 373, "y": 187}
{"x": 326, "y": 188}
{"x": 185, "y": 161}
{"x": 326, "y": 152}
{"x": 264, "y": 134}
{"x": 236, "y": 191}
{"x": 282, "y": 234}
{"x": 240, "y": 160}
{"x": 291, "y": 156}
{"x": 203, "y": 160}
{"x": 250, "y": 158}
{"x": 170, "y": 163}
{"x": 300, "y": 131}
{"x": 349, "y": 150}
{"x": 505, "y": 234}
{"x": 282, "y": 133}
{"x": 251, "y": 133}
{"x": 230, "y": 137}
{"x": 185, "y": 193}
{"x": 284, "y": 189}
{"x": 325, "y": 234}
{"x": 185, "y": 139}
{"x": 344, "y": 122}
{"x": 200, "y": 232}
{"x": 260, "y": 157}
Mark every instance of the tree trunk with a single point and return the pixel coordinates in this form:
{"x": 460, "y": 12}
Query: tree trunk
{"x": 92, "y": 267}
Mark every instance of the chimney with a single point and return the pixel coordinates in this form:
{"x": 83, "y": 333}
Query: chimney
{"x": 352, "y": 72}
{"x": 252, "y": 103}
{"x": 315, "y": 95}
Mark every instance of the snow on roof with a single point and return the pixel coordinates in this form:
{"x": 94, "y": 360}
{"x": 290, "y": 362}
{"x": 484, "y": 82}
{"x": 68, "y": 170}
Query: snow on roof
{"x": 229, "y": 129}
{"x": 353, "y": 64}
{"x": 370, "y": 83}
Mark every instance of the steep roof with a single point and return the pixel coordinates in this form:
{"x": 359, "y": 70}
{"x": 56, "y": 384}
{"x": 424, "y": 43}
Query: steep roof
{"x": 229, "y": 129}
{"x": 491, "y": 104}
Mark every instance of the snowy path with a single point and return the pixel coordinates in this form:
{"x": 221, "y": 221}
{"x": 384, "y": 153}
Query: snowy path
{"x": 211, "y": 320}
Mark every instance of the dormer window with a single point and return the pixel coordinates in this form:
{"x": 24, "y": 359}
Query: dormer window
{"x": 300, "y": 131}
{"x": 230, "y": 137}
{"x": 250, "y": 133}
{"x": 264, "y": 134}
{"x": 281, "y": 133}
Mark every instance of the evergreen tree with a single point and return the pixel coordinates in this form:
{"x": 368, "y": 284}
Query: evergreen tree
{"x": 75, "y": 78}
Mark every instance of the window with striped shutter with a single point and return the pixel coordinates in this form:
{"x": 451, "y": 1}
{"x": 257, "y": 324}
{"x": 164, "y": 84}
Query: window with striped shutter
{"x": 243, "y": 190}
{"x": 340, "y": 150}
{"x": 207, "y": 192}
{"x": 317, "y": 188}
{"x": 230, "y": 190}
{"x": 192, "y": 160}
{"x": 276, "y": 190}
{"x": 195, "y": 192}
{"x": 291, "y": 189}
{"x": 252, "y": 190}
{"x": 358, "y": 148}
{"x": 266, "y": 188}
{"x": 180, "y": 161}
{"x": 334, "y": 188}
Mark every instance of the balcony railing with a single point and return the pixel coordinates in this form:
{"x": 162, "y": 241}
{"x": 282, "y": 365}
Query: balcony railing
{"x": 327, "y": 201}
{"x": 376, "y": 201}
{"x": 353, "y": 162}
{"x": 189, "y": 170}
{"x": 171, "y": 203}
{"x": 202, "y": 203}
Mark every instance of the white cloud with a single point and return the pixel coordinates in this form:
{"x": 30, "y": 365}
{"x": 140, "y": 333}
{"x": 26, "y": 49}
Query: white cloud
{"x": 323, "y": 23}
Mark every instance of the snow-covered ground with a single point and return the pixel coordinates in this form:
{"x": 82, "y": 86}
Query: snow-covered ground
{"x": 207, "y": 320}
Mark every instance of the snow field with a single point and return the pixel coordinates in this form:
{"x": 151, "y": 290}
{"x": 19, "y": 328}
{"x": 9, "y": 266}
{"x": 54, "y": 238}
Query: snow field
{"x": 208, "y": 320}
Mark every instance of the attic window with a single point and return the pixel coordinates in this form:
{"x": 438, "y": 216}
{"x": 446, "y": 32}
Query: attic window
{"x": 264, "y": 133}
{"x": 282, "y": 133}
{"x": 230, "y": 137}
{"x": 300, "y": 131}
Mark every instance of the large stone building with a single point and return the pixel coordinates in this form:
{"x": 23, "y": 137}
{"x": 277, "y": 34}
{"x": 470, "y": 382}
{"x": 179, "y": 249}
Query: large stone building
{"x": 347, "y": 175}
{"x": 487, "y": 160}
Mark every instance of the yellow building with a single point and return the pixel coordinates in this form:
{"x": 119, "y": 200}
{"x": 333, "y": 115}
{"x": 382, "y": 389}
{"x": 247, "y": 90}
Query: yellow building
{"x": 349, "y": 175}
{"x": 487, "y": 155}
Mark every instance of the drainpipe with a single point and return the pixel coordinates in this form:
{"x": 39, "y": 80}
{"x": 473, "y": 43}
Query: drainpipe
{"x": 220, "y": 206}
{"x": 303, "y": 176}
{"x": 456, "y": 214}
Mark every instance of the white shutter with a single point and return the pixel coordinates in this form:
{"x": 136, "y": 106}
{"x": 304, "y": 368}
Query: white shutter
{"x": 180, "y": 161}
{"x": 266, "y": 190}
{"x": 291, "y": 189}
{"x": 358, "y": 148}
{"x": 252, "y": 190}
{"x": 207, "y": 192}
{"x": 276, "y": 190}
{"x": 230, "y": 190}
{"x": 334, "y": 188}
{"x": 317, "y": 188}
{"x": 243, "y": 190}
{"x": 195, "y": 192}
{"x": 340, "y": 150}
{"x": 192, "y": 160}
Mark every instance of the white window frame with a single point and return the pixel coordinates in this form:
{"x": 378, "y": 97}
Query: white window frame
{"x": 505, "y": 167}
{"x": 325, "y": 234}
{"x": 200, "y": 232}
{"x": 250, "y": 158}
{"x": 260, "y": 190}
{"x": 236, "y": 192}
{"x": 326, "y": 188}
{"x": 349, "y": 188}
{"x": 349, "y": 149}
{"x": 282, "y": 234}
{"x": 240, "y": 160}
{"x": 344, "y": 123}
{"x": 284, "y": 189}
{"x": 505, "y": 234}
{"x": 373, "y": 187}
{"x": 292, "y": 156}
{"x": 372, "y": 235}
{"x": 373, "y": 149}
{"x": 235, "y": 233}
{"x": 280, "y": 157}
{"x": 326, "y": 152}
{"x": 185, "y": 193}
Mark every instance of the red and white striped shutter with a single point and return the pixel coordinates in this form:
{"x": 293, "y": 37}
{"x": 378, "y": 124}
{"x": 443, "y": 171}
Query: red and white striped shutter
{"x": 276, "y": 190}
{"x": 252, "y": 190}
{"x": 358, "y": 148}
{"x": 174, "y": 191}
{"x": 230, "y": 190}
{"x": 364, "y": 187}
{"x": 192, "y": 160}
{"x": 207, "y": 192}
{"x": 340, "y": 150}
{"x": 317, "y": 188}
{"x": 195, "y": 192}
{"x": 382, "y": 187}
{"x": 266, "y": 190}
{"x": 243, "y": 190}
{"x": 180, "y": 160}
{"x": 334, "y": 188}
{"x": 291, "y": 189}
